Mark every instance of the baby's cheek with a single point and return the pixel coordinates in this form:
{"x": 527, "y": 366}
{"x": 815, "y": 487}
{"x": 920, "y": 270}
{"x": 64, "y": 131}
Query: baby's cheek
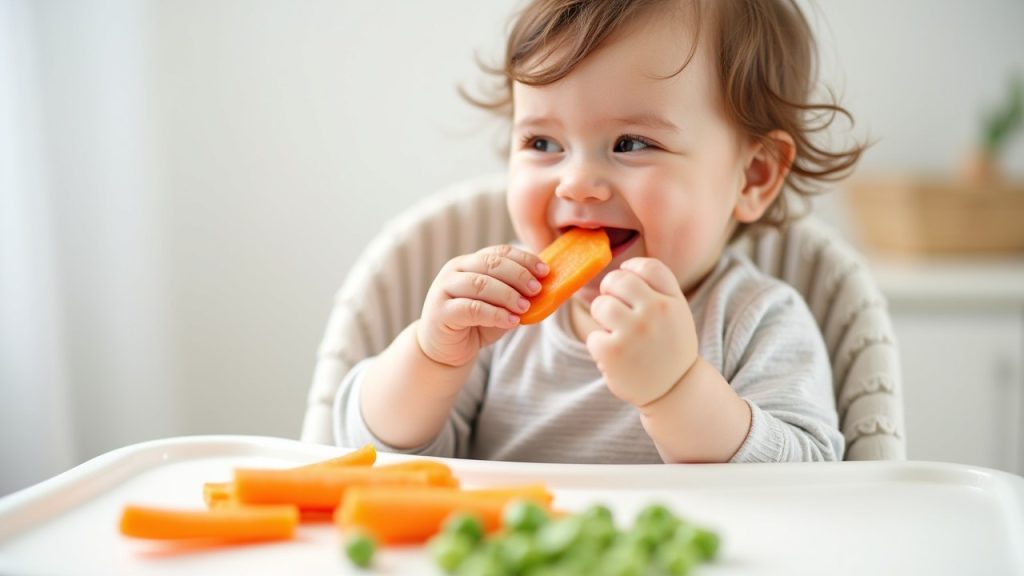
{"x": 531, "y": 227}
{"x": 533, "y": 233}
{"x": 527, "y": 207}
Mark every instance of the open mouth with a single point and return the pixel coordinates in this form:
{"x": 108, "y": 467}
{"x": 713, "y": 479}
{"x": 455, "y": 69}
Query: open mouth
{"x": 619, "y": 238}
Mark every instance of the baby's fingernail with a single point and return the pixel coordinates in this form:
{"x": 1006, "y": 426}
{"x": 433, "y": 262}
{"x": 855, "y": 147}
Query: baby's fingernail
{"x": 533, "y": 286}
{"x": 523, "y": 304}
{"x": 513, "y": 319}
{"x": 542, "y": 268}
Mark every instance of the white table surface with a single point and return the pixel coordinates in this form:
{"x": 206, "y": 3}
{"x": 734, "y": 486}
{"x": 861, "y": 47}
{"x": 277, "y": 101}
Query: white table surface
{"x": 851, "y": 518}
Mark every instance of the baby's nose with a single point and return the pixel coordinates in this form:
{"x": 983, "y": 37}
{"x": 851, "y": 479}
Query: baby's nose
{"x": 582, "y": 183}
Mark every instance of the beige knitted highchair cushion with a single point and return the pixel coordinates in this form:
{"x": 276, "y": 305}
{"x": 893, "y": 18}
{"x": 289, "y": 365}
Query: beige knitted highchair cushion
{"x": 385, "y": 288}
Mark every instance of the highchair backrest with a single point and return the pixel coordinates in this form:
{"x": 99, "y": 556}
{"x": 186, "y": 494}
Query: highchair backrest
{"x": 385, "y": 288}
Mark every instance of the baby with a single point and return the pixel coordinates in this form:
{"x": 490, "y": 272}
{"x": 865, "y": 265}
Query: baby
{"x": 672, "y": 125}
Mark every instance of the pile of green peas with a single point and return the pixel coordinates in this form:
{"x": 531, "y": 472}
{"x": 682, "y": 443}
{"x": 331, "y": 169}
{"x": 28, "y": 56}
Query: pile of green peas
{"x": 587, "y": 543}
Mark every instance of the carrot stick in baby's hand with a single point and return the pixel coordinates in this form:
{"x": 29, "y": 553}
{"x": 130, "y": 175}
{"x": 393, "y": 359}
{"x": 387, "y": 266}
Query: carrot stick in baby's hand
{"x": 574, "y": 259}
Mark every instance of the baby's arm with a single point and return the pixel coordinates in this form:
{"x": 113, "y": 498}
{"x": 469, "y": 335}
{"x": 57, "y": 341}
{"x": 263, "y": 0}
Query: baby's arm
{"x": 647, "y": 353}
{"x": 774, "y": 402}
{"x": 778, "y": 363}
{"x": 408, "y": 391}
{"x": 700, "y": 419}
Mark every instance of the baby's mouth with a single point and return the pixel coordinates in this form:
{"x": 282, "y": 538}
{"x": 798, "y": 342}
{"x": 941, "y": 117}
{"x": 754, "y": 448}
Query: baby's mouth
{"x": 619, "y": 239}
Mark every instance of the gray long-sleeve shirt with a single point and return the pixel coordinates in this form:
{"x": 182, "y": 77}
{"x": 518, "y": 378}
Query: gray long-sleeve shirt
{"x": 536, "y": 395}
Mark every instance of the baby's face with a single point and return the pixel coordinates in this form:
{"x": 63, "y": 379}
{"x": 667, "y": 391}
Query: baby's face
{"x": 619, "y": 143}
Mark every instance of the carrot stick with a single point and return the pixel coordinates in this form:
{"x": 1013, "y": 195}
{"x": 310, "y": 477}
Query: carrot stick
{"x": 321, "y": 488}
{"x": 440, "y": 473}
{"x": 217, "y": 494}
{"x": 574, "y": 259}
{"x": 535, "y": 492}
{"x": 407, "y": 514}
{"x": 223, "y": 493}
{"x": 234, "y": 523}
{"x": 365, "y": 456}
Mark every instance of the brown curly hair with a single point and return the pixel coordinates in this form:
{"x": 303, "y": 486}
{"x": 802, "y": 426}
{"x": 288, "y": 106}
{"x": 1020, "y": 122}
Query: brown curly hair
{"x": 766, "y": 64}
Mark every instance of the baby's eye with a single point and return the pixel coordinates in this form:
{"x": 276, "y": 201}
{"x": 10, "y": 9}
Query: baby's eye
{"x": 541, "y": 144}
{"x": 631, "y": 144}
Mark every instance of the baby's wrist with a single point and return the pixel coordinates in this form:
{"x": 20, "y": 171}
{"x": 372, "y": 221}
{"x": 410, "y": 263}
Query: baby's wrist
{"x": 418, "y": 344}
{"x": 652, "y": 405}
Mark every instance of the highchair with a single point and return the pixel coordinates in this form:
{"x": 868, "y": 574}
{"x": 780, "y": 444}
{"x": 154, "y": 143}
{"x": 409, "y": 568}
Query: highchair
{"x": 384, "y": 292}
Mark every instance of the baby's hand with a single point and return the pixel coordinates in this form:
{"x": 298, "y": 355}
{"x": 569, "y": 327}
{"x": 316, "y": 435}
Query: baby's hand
{"x": 649, "y": 340}
{"x": 474, "y": 300}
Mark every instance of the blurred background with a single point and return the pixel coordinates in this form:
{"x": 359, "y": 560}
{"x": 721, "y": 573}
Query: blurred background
{"x": 184, "y": 184}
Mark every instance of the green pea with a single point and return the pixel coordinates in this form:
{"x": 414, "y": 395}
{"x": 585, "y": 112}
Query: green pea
{"x": 546, "y": 570}
{"x": 642, "y": 539}
{"x": 707, "y": 542}
{"x": 654, "y": 514}
{"x": 524, "y": 516}
{"x": 359, "y": 548}
{"x": 584, "y": 557}
{"x": 658, "y": 522}
{"x": 555, "y": 538}
{"x": 625, "y": 559}
{"x": 464, "y": 525}
{"x": 598, "y": 513}
{"x": 568, "y": 567}
{"x": 449, "y": 550}
{"x": 684, "y": 535}
{"x": 678, "y": 560}
{"x": 519, "y": 552}
{"x": 484, "y": 561}
{"x": 598, "y": 526}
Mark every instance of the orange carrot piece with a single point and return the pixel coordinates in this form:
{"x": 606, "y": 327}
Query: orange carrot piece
{"x": 365, "y": 456}
{"x": 320, "y": 488}
{"x": 234, "y": 523}
{"x": 535, "y": 492}
{"x": 440, "y": 473}
{"x": 219, "y": 494}
{"x": 407, "y": 514}
{"x": 223, "y": 493}
{"x": 574, "y": 259}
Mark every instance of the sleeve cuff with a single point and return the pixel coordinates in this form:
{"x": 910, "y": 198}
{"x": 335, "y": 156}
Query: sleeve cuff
{"x": 764, "y": 442}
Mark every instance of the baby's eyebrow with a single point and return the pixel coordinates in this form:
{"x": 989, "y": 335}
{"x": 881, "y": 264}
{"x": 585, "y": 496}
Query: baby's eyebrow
{"x": 536, "y": 122}
{"x": 648, "y": 120}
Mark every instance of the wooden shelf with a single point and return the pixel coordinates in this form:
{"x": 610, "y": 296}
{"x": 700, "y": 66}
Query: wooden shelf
{"x": 928, "y": 216}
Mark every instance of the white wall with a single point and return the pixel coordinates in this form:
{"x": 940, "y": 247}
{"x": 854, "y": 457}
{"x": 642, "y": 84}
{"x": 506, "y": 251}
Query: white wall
{"x": 193, "y": 178}
{"x": 35, "y": 438}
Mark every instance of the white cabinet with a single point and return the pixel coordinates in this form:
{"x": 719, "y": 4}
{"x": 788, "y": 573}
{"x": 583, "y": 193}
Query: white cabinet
{"x": 963, "y": 383}
{"x": 961, "y": 338}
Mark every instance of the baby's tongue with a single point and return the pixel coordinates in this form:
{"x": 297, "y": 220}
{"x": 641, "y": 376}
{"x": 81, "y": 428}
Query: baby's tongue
{"x": 617, "y": 236}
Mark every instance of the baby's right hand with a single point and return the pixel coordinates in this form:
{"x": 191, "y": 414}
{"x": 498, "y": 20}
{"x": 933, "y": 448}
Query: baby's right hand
{"x": 474, "y": 300}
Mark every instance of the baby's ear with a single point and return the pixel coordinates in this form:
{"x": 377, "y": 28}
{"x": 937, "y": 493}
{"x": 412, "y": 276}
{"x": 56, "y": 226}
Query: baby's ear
{"x": 764, "y": 175}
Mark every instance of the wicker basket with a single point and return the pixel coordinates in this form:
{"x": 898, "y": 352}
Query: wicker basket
{"x": 911, "y": 216}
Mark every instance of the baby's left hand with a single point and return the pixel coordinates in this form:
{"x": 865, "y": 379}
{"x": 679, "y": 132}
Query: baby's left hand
{"x": 649, "y": 340}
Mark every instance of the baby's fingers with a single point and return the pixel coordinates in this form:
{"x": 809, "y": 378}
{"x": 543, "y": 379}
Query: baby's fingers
{"x": 604, "y": 348}
{"x": 610, "y": 312}
{"x": 486, "y": 288}
{"x": 655, "y": 274}
{"x": 461, "y": 313}
{"x": 517, "y": 268}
